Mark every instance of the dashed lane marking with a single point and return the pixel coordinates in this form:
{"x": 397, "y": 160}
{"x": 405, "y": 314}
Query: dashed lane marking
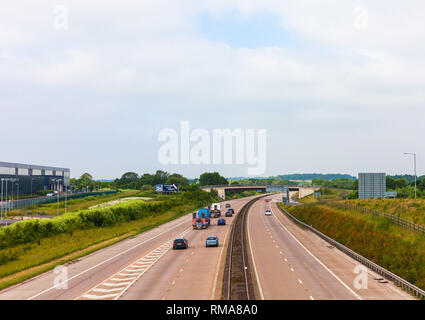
{"x": 116, "y": 285}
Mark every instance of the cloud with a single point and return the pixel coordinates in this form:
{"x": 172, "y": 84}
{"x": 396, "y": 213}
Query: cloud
{"x": 139, "y": 66}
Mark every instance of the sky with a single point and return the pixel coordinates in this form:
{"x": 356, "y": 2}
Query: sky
{"x": 339, "y": 86}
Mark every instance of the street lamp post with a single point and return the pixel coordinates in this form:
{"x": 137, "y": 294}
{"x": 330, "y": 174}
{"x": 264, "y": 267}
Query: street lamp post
{"x": 414, "y": 159}
{"x": 57, "y": 190}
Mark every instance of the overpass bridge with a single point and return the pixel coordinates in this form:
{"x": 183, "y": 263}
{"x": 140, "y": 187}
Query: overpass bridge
{"x": 221, "y": 189}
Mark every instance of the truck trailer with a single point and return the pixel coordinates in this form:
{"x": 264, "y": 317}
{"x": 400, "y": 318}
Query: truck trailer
{"x": 201, "y": 219}
{"x": 216, "y": 210}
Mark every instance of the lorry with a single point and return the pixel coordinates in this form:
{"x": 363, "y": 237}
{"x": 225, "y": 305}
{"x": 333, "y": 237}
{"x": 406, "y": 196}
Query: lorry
{"x": 215, "y": 210}
{"x": 201, "y": 219}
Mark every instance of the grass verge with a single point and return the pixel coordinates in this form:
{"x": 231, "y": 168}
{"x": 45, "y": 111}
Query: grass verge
{"x": 62, "y": 248}
{"x": 376, "y": 238}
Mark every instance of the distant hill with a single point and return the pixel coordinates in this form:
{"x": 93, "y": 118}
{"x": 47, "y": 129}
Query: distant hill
{"x": 301, "y": 176}
{"x": 409, "y": 178}
{"x": 311, "y": 176}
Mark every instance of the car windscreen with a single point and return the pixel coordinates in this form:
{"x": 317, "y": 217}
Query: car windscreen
{"x": 211, "y": 238}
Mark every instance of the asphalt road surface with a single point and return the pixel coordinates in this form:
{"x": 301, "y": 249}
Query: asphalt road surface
{"x": 289, "y": 263}
{"x": 292, "y": 263}
{"x": 142, "y": 267}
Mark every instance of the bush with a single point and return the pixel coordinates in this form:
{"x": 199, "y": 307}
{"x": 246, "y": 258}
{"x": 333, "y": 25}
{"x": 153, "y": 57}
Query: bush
{"x": 33, "y": 230}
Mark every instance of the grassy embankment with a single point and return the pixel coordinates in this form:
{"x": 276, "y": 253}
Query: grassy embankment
{"x": 328, "y": 194}
{"x": 72, "y": 205}
{"x": 376, "y": 238}
{"x": 409, "y": 209}
{"x": 231, "y": 195}
{"x": 31, "y": 247}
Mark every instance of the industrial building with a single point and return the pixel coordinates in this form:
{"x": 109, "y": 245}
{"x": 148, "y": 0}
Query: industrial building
{"x": 28, "y": 179}
{"x": 374, "y": 186}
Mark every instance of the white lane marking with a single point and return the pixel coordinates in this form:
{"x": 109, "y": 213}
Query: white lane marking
{"x": 219, "y": 263}
{"x": 286, "y": 260}
{"x": 111, "y": 258}
{"x": 281, "y": 252}
{"x": 130, "y": 267}
{"x": 135, "y": 269}
{"x": 300, "y": 281}
{"x": 107, "y": 290}
{"x": 106, "y": 296}
{"x": 123, "y": 279}
{"x": 320, "y": 262}
{"x": 173, "y": 283}
{"x": 292, "y": 269}
{"x": 253, "y": 260}
{"x": 123, "y": 274}
{"x": 311, "y": 298}
{"x": 121, "y": 284}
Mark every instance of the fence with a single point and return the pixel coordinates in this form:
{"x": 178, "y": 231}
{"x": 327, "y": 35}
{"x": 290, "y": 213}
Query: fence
{"x": 407, "y": 224}
{"x": 371, "y": 265}
{"x": 17, "y": 204}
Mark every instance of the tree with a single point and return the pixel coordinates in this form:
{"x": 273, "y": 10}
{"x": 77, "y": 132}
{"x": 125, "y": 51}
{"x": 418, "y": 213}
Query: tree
{"x": 176, "y": 178}
{"x": 161, "y": 176}
{"x": 147, "y": 178}
{"x": 85, "y": 181}
{"x": 214, "y": 178}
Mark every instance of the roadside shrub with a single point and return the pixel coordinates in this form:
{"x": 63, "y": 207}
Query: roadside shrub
{"x": 33, "y": 230}
{"x": 402, "y": 253}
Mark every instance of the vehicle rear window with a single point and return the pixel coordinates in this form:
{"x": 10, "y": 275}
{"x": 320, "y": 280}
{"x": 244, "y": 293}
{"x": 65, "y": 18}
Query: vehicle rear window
{"x": 211, "y": 238}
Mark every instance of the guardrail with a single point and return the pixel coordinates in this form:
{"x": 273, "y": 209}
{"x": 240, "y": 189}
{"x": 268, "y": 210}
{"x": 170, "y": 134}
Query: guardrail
{"x": 418, "y": 292}
{"x": 407, "y": 224}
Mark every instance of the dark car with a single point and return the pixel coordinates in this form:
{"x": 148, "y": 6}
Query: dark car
{"x": 231, "y": 210}
{"x": 212, "y": 241}
{"x": 229, "y": 214}
{"x": 228, "y": 205}
{"x": 180, "y": 243}
{"x": 221, "y": 222}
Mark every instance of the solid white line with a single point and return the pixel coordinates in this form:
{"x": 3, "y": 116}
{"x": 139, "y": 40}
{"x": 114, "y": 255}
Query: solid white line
{"x": 109, "y": 259}
{"x": 320, "y": 262}
{"x": 253, "y": 259}
{"x": 219, "y": 263}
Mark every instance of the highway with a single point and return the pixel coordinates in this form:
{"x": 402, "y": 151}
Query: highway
{"x": 288, "y": 263}
{"x": 141, "y": 267}
{"x": 295, "y": 264}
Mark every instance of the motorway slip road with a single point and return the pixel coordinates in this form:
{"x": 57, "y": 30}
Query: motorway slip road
{"x": 141, "y": 267}
{"x": 293, "y": 263}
